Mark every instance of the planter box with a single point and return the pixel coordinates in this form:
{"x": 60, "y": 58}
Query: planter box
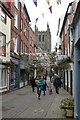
{"x": 69, "y": 113}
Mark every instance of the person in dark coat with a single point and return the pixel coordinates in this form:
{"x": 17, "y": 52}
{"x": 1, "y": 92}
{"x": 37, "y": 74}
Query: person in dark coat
{"x": 32, "y": 81}
{"x": 57, "y": 83}
{"x": 44, "y": 87}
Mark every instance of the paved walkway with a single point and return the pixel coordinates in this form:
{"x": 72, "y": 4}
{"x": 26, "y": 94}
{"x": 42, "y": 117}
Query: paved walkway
{"x": 55, "y": 111}
{"x": 24, "y": 104}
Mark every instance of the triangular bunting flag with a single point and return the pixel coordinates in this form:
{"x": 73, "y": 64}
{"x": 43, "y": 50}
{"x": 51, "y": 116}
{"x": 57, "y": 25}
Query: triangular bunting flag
{"x": 9, "y": 3}
{"x": 58, "y": 2}
{"x": 35, "y": 2}
{"x": 8, "y": 43}
{"x": 50, "y": 8}
{"x": 48, "y": 1}
{"x": 36, "y": 20}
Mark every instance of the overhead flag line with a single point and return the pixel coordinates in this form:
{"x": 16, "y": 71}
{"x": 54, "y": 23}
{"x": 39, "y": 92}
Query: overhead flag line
{"x": 49, "y": 4}
{"x": 42, "y": 14}
{"x": 58, "y": 2}
{"x": 35, "y": 2}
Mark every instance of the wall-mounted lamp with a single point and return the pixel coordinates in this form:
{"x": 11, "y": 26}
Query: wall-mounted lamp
{"x": 59, "y": 47}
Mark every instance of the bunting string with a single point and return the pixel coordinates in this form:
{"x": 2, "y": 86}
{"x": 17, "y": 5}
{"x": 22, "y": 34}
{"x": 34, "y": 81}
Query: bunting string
{"x": 49, "y": 7}
{"x": 24, "y": 54}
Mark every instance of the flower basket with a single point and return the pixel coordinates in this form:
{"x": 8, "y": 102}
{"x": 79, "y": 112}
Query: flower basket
{"x": 68, "y": 105}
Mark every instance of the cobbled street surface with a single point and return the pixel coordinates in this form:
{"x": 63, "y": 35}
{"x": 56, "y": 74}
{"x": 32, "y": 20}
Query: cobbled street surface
{"x": 23, "y": 103}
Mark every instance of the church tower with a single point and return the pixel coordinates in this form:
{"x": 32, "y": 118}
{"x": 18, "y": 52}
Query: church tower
{"x": 43, "y": 39}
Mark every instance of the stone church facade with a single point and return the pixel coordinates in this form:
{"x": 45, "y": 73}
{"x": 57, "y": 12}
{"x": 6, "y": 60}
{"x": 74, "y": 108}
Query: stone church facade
{"x": 43, "y": 40}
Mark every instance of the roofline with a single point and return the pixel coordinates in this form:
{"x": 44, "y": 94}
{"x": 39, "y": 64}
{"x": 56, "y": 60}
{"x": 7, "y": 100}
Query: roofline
{"x": 9, "y": 13}
{"x": 64, "y": 19}
{"x": 76, "y": 15}
{"x": 27, "y": 13}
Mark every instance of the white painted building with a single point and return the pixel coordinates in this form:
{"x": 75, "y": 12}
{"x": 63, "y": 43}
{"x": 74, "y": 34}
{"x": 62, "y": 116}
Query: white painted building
{"x": 5, "y": 37}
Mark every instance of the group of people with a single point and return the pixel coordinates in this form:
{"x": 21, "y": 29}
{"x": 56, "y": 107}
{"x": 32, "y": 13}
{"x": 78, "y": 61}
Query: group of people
{"x": 40, "y": 83}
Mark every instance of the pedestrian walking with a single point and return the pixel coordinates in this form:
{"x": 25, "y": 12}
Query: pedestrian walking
{"x": 40, "y": 86}
{"x": 37, "y": 82}
{"x": 61, "y": 79}
{"x": 32, "y": 81}
{"x": 50, "y": 88}
{"x": 50, "y": 77}
{"x": 44, "y": 87}
{"x": 57, "y": 83}
{"x": 45, "y": 77}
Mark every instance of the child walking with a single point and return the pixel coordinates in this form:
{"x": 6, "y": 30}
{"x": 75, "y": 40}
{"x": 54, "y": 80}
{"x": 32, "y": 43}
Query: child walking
{"x": 50, "y": 88}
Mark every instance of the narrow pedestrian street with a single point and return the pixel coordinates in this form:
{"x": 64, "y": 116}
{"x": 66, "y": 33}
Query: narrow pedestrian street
{"x": 23, "y": 103}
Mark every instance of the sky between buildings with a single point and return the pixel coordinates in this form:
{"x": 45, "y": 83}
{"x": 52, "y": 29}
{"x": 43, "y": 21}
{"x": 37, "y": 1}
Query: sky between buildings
{"x": 44, "y": 16}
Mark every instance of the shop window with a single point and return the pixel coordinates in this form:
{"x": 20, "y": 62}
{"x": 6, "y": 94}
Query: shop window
{"x": 3, "y": 79}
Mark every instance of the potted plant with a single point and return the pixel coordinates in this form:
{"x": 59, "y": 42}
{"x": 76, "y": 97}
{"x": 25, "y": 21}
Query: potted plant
{"x": 68, "y": 105}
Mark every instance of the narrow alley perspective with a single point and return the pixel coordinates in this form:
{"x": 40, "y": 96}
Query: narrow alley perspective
{"x": 23, "y": 103}
{"x": 40, "y": 59}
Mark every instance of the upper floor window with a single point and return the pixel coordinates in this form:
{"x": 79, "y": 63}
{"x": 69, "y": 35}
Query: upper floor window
{"x": 16, "y": 20}
{"x": 39, "y": 38}
{"x": 15, "y": 44}
{"x": 16, "y": 3}
{"x": 3, "y": 16}
{"x": 2, "y": 44}
{"x": 43, "y": 38}
{"x": 21, "y": 24}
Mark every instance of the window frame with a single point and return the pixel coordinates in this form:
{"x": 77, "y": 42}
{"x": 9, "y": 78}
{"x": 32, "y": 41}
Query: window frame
{"x": 21, "y": 24}
{"x": 3, "y": 50}
{"x": 42, "y": 38}
{"x": 3, "y": 80}
{"x": 15, "y": 44}
{"x": 39, "y": 38}
{"x": 3, "y": 19}
{"x": 16, "y": 20}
